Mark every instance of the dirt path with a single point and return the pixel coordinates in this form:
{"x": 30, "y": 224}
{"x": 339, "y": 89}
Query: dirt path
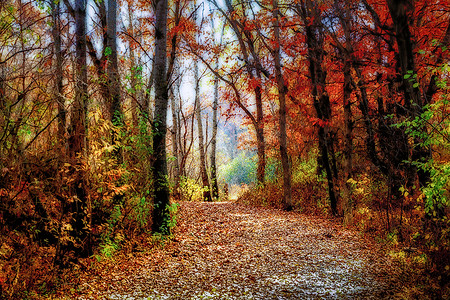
{"x": 230, "y": 251}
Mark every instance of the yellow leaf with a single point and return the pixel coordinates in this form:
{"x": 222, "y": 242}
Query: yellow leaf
{"x": 352, "y": 181}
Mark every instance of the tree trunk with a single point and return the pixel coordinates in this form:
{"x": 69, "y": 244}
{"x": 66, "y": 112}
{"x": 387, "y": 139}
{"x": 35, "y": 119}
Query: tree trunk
{"x": 214, "y": 185}
{"x": 363, "y": 106}
{"x": 314, "y": 41}
{"x": 188, "y": 134}
{"x": 203, "y": 173}
{"x": 214, "y": 182}
{"x": 261, "y": 143}
{"x": 175, "y": 138}
{"x": 282, "y": 89}
{"x": 99, "y": 63}
{"x": 3, "y": 110}
{"x": 413, "y": 99}
{"x": 113, "y": 72}
{"x": 344, "y": 13}
{"x": 56, "y": 32}
{"x": 77, "y": 132}
{"x": 160, "y": 215}
{"x": 135, "y": 73}
{"x": 77, "y": 128}
{"x": 348, "y": 139}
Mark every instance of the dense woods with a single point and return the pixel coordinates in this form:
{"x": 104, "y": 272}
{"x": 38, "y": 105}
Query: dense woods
{"x": 112, "y": 111}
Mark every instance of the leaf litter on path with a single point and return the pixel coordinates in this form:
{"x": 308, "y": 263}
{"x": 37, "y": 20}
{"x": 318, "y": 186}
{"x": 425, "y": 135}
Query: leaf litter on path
{"x": 225, "y": 250}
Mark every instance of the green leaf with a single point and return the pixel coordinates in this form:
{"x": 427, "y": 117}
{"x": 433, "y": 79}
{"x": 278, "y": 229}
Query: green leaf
{"x": 108, "y": 51}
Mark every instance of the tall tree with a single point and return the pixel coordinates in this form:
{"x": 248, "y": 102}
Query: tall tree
{"x": 173, "y": 72}
{"x": 113, "y": 69}
{"x": 59, "y": 76}
{"x": 160, "y": 185}
{"x": 175, "y": 137}
{"x": 345, "y": 51}
{"x": 251, "y": 57}
{"x": 201, "y": 138}
{"x": 176, "y": 131}
{"x": 311, "y": 15}
{"x": 214, "y": 185}
{"x": 101, "y": 60}
{"x": 201, "y": 143}
{"x": 400, "y": 12}
{"x": 394, "y": 145}
{"x": 363, "y": 97}
{"x": 77, "y": 128}
{"x": 282, "y": 90}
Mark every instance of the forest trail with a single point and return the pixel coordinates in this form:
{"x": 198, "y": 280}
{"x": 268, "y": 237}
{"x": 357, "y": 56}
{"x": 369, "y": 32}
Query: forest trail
{"x": 225, "y": 250}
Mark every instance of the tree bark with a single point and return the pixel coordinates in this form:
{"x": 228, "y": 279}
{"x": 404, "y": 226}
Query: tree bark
{"x": 175, "y": 138}
{"x": 348, "y": 139}
{"x": 56, "y": 33}
{"x": 160, "y": 215}
{"x": 135, "y": 74}
{"x": 214, "y": 185}
{"x": 113, "y": 68}
{"x": 214, "y": 182}
{"x": 201, "y": 144}
{"x": 282, "y": 90}
{"x": 99, "y": 63}
{"x": 77, "y": 129}
{"x": 261, "y": 143}
{"x": 314, "y": 41}
{"x": 413, "y": 100}
{"x": 347, "y": 52}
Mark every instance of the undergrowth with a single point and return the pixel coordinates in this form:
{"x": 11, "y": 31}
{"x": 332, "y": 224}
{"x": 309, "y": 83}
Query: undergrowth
{"x": 39, "y": 245}
{"x": 308, "y": 190}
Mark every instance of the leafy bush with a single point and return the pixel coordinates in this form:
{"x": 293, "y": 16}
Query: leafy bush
{"x": 120, "y": 183}
{"x": 241, "y": 170}
{"x": 190, "y": 190}
{"x": 308, "y": 190}
{"x": 273, "y": 166}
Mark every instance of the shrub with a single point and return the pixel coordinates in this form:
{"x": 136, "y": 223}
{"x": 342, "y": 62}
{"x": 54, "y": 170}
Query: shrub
{"x": 190, "y": 190}
{"x": 240, "y": 170}
{"x": 308, "y": 191}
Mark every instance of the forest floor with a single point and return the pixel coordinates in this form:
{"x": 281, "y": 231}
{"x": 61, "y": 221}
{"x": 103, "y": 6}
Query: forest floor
{"x": 225, "y": 250}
